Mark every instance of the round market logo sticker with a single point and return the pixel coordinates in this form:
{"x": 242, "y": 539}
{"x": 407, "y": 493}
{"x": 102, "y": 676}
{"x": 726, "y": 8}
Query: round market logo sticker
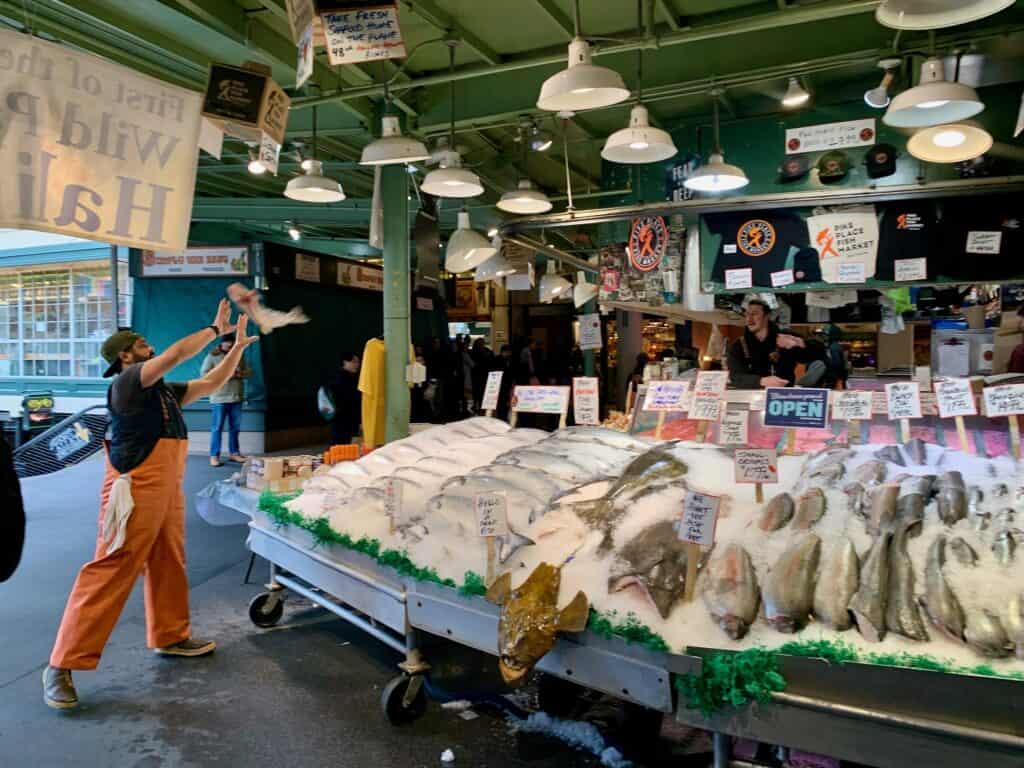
{"x": 867, "y": 134}
{"x": 648, "y": 239}
{"x": 756, "y": 237}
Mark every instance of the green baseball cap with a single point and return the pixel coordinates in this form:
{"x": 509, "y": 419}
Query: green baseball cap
{"x": 113, "y": 347}
{"x": 833, "y": 166}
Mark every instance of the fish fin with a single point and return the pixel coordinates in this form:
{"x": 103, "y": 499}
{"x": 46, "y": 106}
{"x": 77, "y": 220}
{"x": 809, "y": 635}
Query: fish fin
{"x": 500, "y": 590}
{"x": 573, "y": 618}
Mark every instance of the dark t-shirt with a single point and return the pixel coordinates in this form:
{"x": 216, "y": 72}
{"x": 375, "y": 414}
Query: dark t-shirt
{"x": 760, "y": 240}
{"x": 982, "y": 237}
{"x": 128, "y": 398}
{"x": 908, "y": 230}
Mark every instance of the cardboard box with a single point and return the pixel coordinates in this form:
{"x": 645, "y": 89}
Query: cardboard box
{"x": 246, "y": 102}
{"x": 1006, "y": 340}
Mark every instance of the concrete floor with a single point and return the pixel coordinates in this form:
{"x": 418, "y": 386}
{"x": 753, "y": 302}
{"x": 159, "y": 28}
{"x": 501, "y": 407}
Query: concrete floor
{"x": 305, "y": 693}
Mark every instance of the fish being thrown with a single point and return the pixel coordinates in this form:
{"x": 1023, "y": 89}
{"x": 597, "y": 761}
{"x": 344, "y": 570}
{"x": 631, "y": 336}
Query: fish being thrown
{"x": 655, "y": 560}
{"x": 250, "y": 302}
{"x": 530, "y": 620}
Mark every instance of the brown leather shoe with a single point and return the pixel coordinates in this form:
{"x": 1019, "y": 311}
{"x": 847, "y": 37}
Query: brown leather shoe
{"x": 190, "y": 648}
{"x": 58, "y": 690}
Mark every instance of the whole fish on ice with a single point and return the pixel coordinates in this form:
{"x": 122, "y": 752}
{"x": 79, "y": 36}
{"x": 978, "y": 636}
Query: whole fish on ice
{"x": 837, "y": 584}
{"x": 882, "y": 508}
{"x": 250, "y": 302}
{"x": 530, "y": 620}
{"x": 789, "y": 588}
{"x": 777, "y": 512}
{"x": 1015, "y": 623}
{"x": 939, "y": 602}
{"x": 655, "y": 560}
{"x": 902, "y": 615}
{"x": 871, "y": 472}
{"x": 869, "y": 602}
{"x": 963, "y": 552}
{"x": 730, "y": 591}
{"x": 952, "y": 497}
{"x": 984, "y": 632}
{"x": 890, "y": 453}
{"x": 917, "y": 450}
{"x": 810, "y": 508}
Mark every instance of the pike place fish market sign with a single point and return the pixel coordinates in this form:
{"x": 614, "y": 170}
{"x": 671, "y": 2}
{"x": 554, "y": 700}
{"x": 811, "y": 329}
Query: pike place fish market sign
{"x": 93, "y": 149}
{"x": 796, "y": 407}
{"x": 648, "y": 239}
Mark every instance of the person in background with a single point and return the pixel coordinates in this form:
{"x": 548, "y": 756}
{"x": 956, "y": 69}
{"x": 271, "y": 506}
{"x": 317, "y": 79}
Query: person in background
{"x": 12, "y": 514}
{"x": 466, "y": 406}
{"x": 483, "y": 362}
{"x": 227, "y": 402}
{"x": 762, "y": 356}
{"x": 504, "y": 363}
{"x": 1016, "y": 364}
{"x": 637, "y": 376}
{"x": 142, "y": 518}
{"x": 528, "y": 364}
{"x": 348, "y": 401}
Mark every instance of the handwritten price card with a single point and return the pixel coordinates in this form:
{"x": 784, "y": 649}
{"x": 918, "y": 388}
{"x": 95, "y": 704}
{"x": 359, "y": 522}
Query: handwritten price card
{"x": 956, "y": 398}
{"x": 903, "y": 400}
{"x": 1006, "y": 400}
{"x": 666, "y": 396}
{"x": 700, "y": 516}
{"x": 733, "y": 428}
{"x": 491, "y": 391}
{"x": 756, "y": 465}
{"x": 585, "y": 400}
{"x": 491, "y": 514}
{"x": 393, "y": 501}
{"x": 540, "y": 399}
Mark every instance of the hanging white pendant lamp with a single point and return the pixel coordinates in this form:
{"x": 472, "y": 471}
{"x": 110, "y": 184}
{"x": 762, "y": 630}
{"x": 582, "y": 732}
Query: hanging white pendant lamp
{"x": 313, "y": 187}
{"x": 640, "y": 142}
{"x": 716, "y": 175}
{"x": 935, "y": 14}
{"x": 467, "y": 248}
{"x": 496, "y": 267}
{"x": 582, "y": 85}
{"x": 583, "y": 291}
{"x": 796, "y": 94}
{"x": 524, "y": 199}
{"x": 879, "y": 97}
{"x": 933, "y": 102}
{"x": 392, "y": 147}
{"x": 552, "y": 285}
{"x": 952, "y": 143}
{"x": 451, "y": 179}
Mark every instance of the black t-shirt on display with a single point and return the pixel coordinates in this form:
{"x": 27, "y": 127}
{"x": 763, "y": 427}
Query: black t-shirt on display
{"x": 982, "y": 237}
{"x": 760, "y": 240}
{"x": 907, "y": 230}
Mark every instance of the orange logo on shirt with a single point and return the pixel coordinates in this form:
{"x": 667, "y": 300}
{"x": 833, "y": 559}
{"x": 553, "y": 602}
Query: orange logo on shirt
{"x": 756, "y": 237}
{"x": 826, "y": 244}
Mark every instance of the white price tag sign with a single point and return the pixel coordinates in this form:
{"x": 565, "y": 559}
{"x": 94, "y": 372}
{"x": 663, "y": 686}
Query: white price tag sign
{"x": 984, "y": 242}
{"x": 491, "y": 514}
{"x": 540, "y": 400}
{"x": 700, "y": 516}
{"x": 906, "y": 270}
{"x": 955, "y": 398}
{"x": 903, "y": 400}
{"x": 756, "y": 465}
{"x": 733, "y": 428}
{"x": 666, "y": 396}
{"x": 739, "y": 279}
{"x": 851, "y": 405}
{"x": 850, "y": 272}
{"x": 590, "y": 331}
{"x": 711, "y": 383}
{"x": 706, "y": 408}
{"x": 1006, "y": 400}
{"x": 586, "y": 404}
{"x": 782, "y": 278}
{"x": 393, "y": 501}
{"x": 492, "y": 390}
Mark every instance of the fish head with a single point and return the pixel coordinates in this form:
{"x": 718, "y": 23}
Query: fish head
{"x": 734, "y": 626}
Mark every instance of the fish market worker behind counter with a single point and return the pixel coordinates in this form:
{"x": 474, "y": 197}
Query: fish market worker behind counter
{"x": 764, "y": 357}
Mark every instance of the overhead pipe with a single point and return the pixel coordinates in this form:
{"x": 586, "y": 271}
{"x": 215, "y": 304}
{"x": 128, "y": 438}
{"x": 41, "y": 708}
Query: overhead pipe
{"x": 771, "y": 20}
{"x": 551, "y": 250}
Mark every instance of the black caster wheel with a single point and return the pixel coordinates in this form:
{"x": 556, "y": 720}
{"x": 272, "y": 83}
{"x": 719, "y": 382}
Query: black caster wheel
{"x": 266, "y": 609}
{"x": 404, "y": 700}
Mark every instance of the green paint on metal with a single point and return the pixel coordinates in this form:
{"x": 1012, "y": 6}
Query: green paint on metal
{"x": 395, "y": 200}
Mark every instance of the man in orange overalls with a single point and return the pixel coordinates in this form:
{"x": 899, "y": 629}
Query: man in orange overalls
{"x": 142, "y": 509}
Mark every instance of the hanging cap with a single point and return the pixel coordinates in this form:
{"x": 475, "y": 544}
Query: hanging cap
{"x": 881, "y": 160}
{"x": 793, "y": 168}
{"x": 833, "y": 166}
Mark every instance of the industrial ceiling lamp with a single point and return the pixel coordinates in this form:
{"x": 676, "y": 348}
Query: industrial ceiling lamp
{"x": 796, "y": 94}
{"x": 540, "y": 140}
{"x": 952, "y": 143}
{"x": 451, "y": 179}
{"x": 553, "y": 285}
{"x": 294, "y": 233}
{"x": 312, "y": 186}
{"x": 583, "y": 291}
{"x": 582, "y": 85}
{"x": 524, "y": 199}
{"x": 392, "y": 148}
{"x": 879, "y": 97}
{"x": 467, "y": 249}
{"x": 716, "y": 175}
{"x": 935, "y": 14}
{"x": 639, "y": 142}
{"x": 256, "y": 166}
{"x": 496, "y": 267}
{"x": 933, "y": 101}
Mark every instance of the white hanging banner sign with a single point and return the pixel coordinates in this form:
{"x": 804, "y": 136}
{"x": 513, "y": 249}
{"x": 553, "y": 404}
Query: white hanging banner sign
{"x": 300, "y": 18}
{"x": 586, "y": 403}
{"x": 819, "y": 138}
{"x": 306, "y": 57}
{"x": 93, "y": 149}
{"x": 363, "y": 34}
{"x": 489, "y": 402}
{"x": 590, "y": 331}
{"x": 847, "y": 243}
{"x": 955, "y": 398}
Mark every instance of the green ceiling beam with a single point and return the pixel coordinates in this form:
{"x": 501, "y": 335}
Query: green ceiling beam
{"x": 670, "y": 15}
{"x": 230, "y": 170}
{"x": 440, "y": 20}
{"x": 554, "y": 13}
{"x": 354, "y": 211}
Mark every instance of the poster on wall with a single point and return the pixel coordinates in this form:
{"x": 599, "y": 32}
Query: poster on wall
{"x": 821, "y": 138}
{"x": 307, "y": 268}
{"x": 359, "y": 33}
{"x": 847, "y": 243}
{"x": 93, "y": 149}
{"x": 368, "y": 278}
{"x": 196, "y": 262}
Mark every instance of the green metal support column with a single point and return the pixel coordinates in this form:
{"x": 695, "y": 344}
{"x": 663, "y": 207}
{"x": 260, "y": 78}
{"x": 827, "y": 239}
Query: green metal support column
{"x": 395, "y": 201}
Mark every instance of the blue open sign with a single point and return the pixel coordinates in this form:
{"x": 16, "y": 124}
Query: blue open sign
{"x": 796, "y": 407}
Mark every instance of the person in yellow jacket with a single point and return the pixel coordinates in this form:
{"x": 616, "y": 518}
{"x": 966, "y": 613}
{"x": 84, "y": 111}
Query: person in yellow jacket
{"x": 372, "y": 383}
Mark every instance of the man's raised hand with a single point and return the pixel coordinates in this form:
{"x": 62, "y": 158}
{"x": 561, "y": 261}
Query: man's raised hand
{"x": 223, "y": 320}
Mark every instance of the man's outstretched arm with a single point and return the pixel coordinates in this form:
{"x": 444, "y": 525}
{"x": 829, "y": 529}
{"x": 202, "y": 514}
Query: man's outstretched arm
{"x": 185, "y": 349}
